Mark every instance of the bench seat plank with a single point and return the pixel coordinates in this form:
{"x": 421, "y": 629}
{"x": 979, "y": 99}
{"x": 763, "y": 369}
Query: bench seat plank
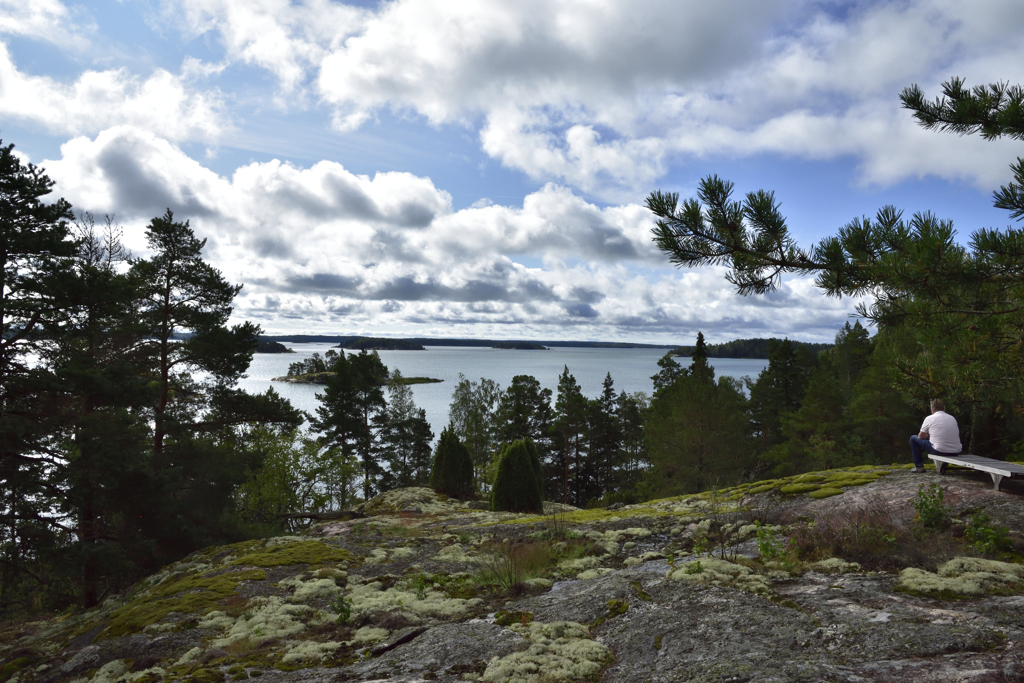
{"x": 997, "y": 469}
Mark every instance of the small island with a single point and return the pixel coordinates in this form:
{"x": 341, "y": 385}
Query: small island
{"x": 380, "y": 344}
{"x": 519, "y": 346}
{"x": 267, "y": 346}
{"x": 322, "y": 377}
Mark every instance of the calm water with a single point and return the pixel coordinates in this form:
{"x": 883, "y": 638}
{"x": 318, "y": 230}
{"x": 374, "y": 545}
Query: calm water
{"x": 631, "y": 371}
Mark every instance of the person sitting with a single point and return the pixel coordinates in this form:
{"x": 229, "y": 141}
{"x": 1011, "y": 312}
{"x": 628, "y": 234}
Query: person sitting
{"x": 939, "y": 436}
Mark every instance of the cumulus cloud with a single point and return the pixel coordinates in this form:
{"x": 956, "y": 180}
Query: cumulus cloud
{"x": 604, "y": 95}
{"x": 97, "y": 100}
{"x": 324, "y": 248}
{"x": 47, "y": 20}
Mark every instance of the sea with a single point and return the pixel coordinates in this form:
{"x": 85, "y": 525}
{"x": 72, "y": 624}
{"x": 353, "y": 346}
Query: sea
{"x": 631, "y": 371}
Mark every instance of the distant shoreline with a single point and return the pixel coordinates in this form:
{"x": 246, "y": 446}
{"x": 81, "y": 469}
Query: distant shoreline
{"x": 346, "y": 341}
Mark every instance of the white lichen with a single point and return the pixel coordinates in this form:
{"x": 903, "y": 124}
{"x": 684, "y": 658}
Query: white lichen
{"x": 271, "y": 618}
{"x": 966, "y": 576}
{"x": 560, "y": 651}
{"x": 376, "y": 556}
{"x": 371, "y": 597}
{"x": 189, "y": 656}
{"x": 456, "y": 553}
{"x": 834, "y": 565}
{"x": 368, "y": 635}
{"x": 110, "y": 672}
{"x": 721, "y": 573}
{"x": 308, "y": 651}
{"x": 317, "y": 589}
{"x": 216, "y": 620}
{"x": 594, "y": 573}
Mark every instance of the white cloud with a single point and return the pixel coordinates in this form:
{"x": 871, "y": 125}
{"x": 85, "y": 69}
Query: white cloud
{"x": 337, "y": 250}
{"x": 606, "y": 95}
{"x": 47, "y": 20}
{"x": 97, "y": 100}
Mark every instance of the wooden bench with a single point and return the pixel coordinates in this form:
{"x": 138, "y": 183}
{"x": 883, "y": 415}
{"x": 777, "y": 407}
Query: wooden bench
{"x": 997, "y": 469}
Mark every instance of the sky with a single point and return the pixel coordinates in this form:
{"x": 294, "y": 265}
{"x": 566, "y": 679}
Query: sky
{"x": 436, "y": 168}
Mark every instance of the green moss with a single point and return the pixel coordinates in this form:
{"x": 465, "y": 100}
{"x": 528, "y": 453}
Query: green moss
{"x": 799, "y": 488}
{"x": 303, "y": 552}
{"x": 761, "y": 489}
{"x": 640, "y": 592}
{"x": 206, "y": 676}
{"x": 14, "y": 667}
{"x": 503, "y": 618}
{"x": 825, "y": 492}
{"x": 156, "y": 604}
{"x": 657, "y": 641}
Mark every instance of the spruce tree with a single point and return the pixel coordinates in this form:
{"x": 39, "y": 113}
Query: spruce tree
{"x": 515, "y": 484}
{"x": 452, "y": 471}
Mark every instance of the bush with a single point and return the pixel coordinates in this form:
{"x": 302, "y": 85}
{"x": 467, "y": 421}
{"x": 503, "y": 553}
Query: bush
{"x": 452, "y": 470}
{"x": 516, "y": 488}
{"x": 931, "y": 511}
{"x": 985, "y": 537}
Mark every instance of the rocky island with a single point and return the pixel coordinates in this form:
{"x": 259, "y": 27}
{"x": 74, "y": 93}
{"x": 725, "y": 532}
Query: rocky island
{"x": 322, "y": 377}
{"x": 519, "y": 346}
{"x": 729, "y": 585}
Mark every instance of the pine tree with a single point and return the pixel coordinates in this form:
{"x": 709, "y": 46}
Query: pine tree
{"x": 569, "y": 437}
{"x": 406, "y": 436}
{"x": 515, "y": 484}
{"x": 452, "y": 470}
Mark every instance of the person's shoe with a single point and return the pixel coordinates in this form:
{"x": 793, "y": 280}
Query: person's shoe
{"x": 918, "y": 470}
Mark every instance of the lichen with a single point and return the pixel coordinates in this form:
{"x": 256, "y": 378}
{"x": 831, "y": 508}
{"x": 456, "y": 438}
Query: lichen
{"x": 308, "y": 651}
{"x": 371, "y": 597}
{"x": 594, "y": 573}
{"x": 964, "y": 577}
{"x": 317, "y": 589}
{"x": 110, "y": 672}
{"x": 369, "y": 634}
{"x": 721, "y": 573}
{"x": 835, "y": 565}
{"x": 456, "y": 553}
{"x": 559, "y": 651}
{"x": 301, "y": 552}
{"x": 269, "y": 618}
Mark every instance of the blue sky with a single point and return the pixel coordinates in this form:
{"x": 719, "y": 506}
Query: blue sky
{"x": 438, "y": 168}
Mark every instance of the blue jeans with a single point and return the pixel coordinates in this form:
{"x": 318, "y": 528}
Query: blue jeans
{"x": 917, "y": 444}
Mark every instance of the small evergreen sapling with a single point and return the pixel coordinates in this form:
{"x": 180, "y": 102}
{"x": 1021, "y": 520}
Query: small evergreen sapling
{"x": 516, "y": 488}
{"x": 452, "y": 471}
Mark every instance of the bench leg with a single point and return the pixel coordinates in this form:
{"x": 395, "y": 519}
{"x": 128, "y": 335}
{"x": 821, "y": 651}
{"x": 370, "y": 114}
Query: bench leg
{"x": 997, "y": 480}
{"x": 940, "y": 466}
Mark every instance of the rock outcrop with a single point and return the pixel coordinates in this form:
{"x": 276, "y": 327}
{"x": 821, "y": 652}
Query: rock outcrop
{"x": 425, "y": 588}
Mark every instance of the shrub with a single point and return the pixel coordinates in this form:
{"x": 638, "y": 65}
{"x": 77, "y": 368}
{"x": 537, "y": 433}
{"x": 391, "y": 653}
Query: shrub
{"x": 868, "y": 535}
{"x": 515, "y": 483}
{"x": 452, "y": 471}
{"x": 986, "y": 538}
{"x": 931, "y": 511}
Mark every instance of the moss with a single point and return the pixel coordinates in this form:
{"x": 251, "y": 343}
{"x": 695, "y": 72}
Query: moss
{"x": 759, "y": 489}
{"x": 826, "y": 492}
{"x": 640, "y": 592}
{"x": 503, "y": 618}
{"x": 303, "y": 552}
{"x": 799, "y": 488}
{"x": 657, "y": 641}
{"x": 594, "y": 573}
{"x": 154, "y": 605}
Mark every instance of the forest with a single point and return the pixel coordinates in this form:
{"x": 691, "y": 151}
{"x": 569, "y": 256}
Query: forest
{"x": 125, "y": 443}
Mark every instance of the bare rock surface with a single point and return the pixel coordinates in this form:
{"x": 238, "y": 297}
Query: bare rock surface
{"x": 617, "y": 595}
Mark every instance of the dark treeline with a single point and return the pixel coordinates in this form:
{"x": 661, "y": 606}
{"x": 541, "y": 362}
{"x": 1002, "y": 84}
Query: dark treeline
{"x": 747, "y": 348}
{"x": 122, "y": 441}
